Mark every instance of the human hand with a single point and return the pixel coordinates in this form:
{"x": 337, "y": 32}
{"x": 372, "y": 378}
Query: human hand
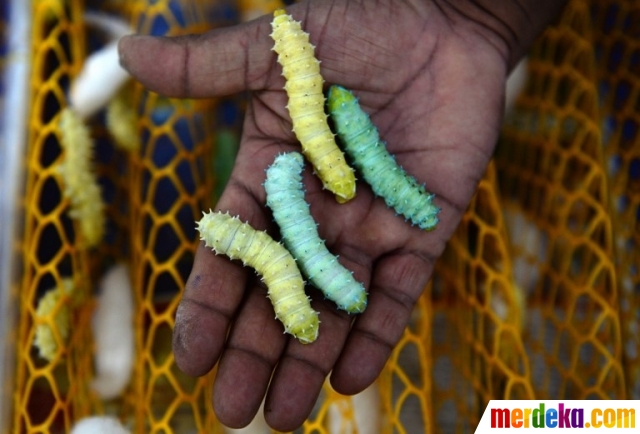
{"x": 432, "y": 77}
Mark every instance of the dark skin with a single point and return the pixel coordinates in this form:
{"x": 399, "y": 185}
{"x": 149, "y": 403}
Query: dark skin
{"x": 432, "y": 76}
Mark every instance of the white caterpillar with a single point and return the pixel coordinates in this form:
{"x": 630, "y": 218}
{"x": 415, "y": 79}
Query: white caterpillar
{"x": 285, "y": 197}
{"x": 306, "y": 106}
{"x": 229, "y": 236}
{"x": 379, "y": 169}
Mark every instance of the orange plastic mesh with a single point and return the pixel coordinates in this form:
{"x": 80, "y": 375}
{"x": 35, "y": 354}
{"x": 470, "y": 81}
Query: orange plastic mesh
{"x": 558, "y": 201}
{"x": 616, "y": 28}
{"x": 49, "y": 395}
{"x": 478, "y": 353}
{"x": 536, "y": 295}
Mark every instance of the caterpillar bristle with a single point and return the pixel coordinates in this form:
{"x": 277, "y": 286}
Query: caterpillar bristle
{"x": 303, "y": 84}
{"x": 271, "y": 261}
{"x": 285, "y": 198}
{"x": 361, "y": 141}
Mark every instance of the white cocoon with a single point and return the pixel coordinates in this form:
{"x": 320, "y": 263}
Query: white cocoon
{"x": 113, "y": 26}
{"x": 366, "y": 412}
{"x": 99, "y": 425}
{"x": 515, "y": 84}
{"x": 113, "y": 333}
{"x": 99, "y": 81}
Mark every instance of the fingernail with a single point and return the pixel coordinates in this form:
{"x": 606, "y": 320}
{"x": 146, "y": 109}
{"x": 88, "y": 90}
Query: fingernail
{"x": 125, "y": 45}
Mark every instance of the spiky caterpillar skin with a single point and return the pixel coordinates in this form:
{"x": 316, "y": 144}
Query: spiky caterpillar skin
{"x": 306, "y": 106}
{"x": 285, "y": 197}
{"x": 80, "y": 183}
{"x": 121, "y": 122}
{"x": 45, "y": 337}
{"x": 229, "y": 236}
{"x": 361, "y": 141}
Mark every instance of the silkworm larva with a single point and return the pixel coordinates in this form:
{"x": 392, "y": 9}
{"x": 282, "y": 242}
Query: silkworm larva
{"x": 306, "y": 106}
{"x": 361, "y": 141}
{"x": 53, "y": 331}
{"x": 229, "y": 236}
{"x": 80, "y": 183}
{"x": 285, "y": 197}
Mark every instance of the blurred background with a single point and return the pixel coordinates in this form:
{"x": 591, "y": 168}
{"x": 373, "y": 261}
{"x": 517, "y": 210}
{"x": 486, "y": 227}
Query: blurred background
{"x": 536, "y": 297}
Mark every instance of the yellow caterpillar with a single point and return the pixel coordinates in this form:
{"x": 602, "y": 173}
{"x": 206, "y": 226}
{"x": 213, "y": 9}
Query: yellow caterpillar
{"x": 80, "y": 183}
{"x": 121, "y": 122}
{"x": 229, "y": 236}
{"x": 49, "y": 318}
{"x": 306, "y": 106}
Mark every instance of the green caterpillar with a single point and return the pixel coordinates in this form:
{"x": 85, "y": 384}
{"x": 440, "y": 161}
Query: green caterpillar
{"x": 306, "y": 106}
{"x": 285, "y": 197}
{"x": 379, "y": 169}
{"x": 229, "y": 236}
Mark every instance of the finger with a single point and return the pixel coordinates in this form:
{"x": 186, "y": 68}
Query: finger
{"x": 397, "y": 283}
{"x": 252, "y": 351}
{"x": 221, "y": 62}
{"x": 212, "y": 293}
{"x": 302, "y": 370}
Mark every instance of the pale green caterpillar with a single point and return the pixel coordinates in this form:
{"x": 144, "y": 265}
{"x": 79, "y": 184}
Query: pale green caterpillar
{"x": 285, "y": 197}
{"x": 379, "y": 169}
{"x": 229, "y": 236}
{"x": 306, "y": 106}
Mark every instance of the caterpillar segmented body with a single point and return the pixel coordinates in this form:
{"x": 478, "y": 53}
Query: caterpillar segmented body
{"x": 306, "y": 106}
{"x": 121, "y": 119}
{"x": 285, "y": 197}
{"x": 80, "y": 183}
{"x": 45, "y": 339}
{"x": 379, "y": 169}
{"x": 229, "y": 236}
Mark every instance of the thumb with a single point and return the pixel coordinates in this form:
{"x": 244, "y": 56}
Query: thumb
{"x": 217, "y": 63}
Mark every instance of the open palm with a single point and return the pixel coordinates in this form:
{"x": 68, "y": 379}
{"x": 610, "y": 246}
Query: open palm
{"x": 433, "y": 83}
